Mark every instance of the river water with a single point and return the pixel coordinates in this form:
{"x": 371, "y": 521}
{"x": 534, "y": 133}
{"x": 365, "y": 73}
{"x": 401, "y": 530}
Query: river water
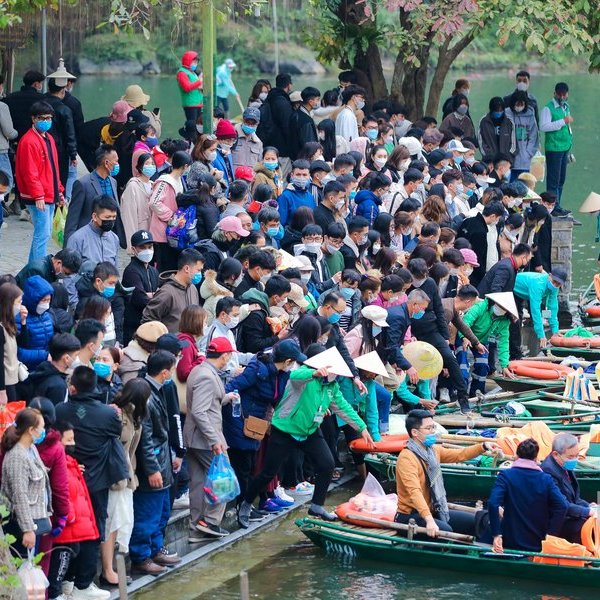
{"x": 282, "y": 564}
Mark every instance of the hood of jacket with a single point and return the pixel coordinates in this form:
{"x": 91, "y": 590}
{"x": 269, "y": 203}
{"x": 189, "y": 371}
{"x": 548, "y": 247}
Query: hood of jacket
{"x": 366, "y": 196}
{"x": 260, "y": 168}
{"x": 85, "y": 287}
{"x": 211, "y": 287}
{"x": 34, "y": 290}
{"x": 89, "y": 397}
{"x": 257, "y": 296}
{"x": 188, "y": 58}
{"x": 52, "y": 438}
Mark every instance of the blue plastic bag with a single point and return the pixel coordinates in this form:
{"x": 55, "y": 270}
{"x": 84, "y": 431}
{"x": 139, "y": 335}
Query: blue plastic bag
{"x": 221, "y": 484}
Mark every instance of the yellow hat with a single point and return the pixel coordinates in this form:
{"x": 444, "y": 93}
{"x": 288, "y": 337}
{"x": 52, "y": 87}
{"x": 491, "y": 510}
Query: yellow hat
{"x": 372, "y": 363}
{"x": 591, "y": 203}
{"x": 332, "y": 360}
{"x": 424, "y": 358}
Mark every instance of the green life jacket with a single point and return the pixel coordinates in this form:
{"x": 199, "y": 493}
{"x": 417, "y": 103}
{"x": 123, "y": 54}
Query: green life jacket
{"x": 195, "y": 97}
{"x": 561, "y": 140}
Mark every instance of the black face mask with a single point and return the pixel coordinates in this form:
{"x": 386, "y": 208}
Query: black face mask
{"x": 107, "y": 225}
{"x": 70, "y": 450}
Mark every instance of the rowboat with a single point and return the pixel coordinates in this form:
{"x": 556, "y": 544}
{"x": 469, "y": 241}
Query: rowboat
{"x": 356, "y": 542}
{"x": 525, "y": 384}
{"x": 588, "y": 354}
{"x": 468, "y": 481}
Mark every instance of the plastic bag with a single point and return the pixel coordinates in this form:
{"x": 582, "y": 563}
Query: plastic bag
{"x": 8, "y": 412}
{"x": 538, "y": 166}
{"x": 33, "y": 578}
{"x": 58, "y": 225}
{"x": 221, "y": 484}
{"x": 373, "y": 499}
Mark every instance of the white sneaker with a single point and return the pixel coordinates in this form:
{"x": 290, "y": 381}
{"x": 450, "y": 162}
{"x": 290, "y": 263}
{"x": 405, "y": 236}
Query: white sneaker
{"x": 92, "y": 592}
{"x": 61, "y": 597}
{"x": 444, "y": 395}
{"x": 67, "y": 589}
{"x": 303, "y": 489}
{"x": 280, "y": 493}
{"x": 25, "y": 216}
{"x": 182, "y": 502}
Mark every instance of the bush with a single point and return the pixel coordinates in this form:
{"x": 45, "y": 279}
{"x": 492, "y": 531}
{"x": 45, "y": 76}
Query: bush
{"x": 106, "y": 47}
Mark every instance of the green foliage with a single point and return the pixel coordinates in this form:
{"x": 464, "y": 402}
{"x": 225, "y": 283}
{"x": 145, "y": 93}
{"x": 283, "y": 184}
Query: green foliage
{"x": 8, "y": 576}
{"x": 107, "y": 47}
{"x": 12, "y": 10}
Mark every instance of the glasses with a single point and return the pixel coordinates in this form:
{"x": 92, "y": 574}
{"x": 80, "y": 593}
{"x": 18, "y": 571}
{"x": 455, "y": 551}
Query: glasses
{"x": 430, "y": 428}
{"x": 313, "y": 238}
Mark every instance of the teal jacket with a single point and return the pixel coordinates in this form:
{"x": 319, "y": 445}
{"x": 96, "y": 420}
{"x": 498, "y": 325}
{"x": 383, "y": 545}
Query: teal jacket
{"x": 486, "y": 325}
{"x": 537, "y": 290}
{"x": 304, "y": 398}
{"x": 225, "y": 85}
{"x": 364, "y": 404}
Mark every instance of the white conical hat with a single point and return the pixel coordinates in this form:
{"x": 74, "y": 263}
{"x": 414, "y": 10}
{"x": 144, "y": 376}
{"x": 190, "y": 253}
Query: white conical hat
{"x": 506, "y": 300}
{"x": 332, "y": 360}
{"x": 61, "y": 76}
{"x": 591, "y": 203}
{"x": 372, "y": 363}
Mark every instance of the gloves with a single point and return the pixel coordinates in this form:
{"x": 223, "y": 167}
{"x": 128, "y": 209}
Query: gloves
{"x": 60, "y": 525}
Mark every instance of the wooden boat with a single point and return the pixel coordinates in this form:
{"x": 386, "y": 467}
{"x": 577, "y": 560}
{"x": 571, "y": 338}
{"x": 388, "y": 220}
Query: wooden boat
{"x": 353, "y": 541}
{"x": 524, "y": 384}
{"x": 588, "y": 354}
{"x": 467, "y": 481}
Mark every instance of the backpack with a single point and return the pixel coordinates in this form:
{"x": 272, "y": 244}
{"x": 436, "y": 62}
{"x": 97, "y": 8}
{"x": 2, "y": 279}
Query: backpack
{"x": 181, "y": 229}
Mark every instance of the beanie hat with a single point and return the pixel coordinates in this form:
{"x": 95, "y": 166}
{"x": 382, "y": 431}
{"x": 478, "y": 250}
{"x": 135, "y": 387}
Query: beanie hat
{"x": 225, "y": 130}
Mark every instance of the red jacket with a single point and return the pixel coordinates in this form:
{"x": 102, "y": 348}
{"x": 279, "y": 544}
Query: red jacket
{"x": 33, "y": 170}
{"x": 53, "y": 456}
{"x": 81, "y": 522}
{"x": 190, "y": 357}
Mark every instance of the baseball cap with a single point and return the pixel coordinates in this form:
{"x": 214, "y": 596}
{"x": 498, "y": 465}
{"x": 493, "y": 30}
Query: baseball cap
{"x": 218, "y": 346}
{"x": 296, "y": 295}
{"x": 171, "y": 343}
{"x": 457, "y": 146}
{"x": 436, "y": 156}
{"x": 252, "y": 114}
{"x": 244, "y": 172}
{"x": 559, "y": 274}
{"x": 296, "y": 97}
{"x": 141, "y": 237}
{"x": 469, "y": 256}
{"x": 233, "y": 224}
{"x": 375, "y": 313}
{"x": 229, "y": 63}
{"x": 287, "y": 349}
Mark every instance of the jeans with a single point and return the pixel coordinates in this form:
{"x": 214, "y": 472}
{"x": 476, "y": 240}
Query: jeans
{"x": 42, "y": 230}
{"x": 5, "y": 166}
{"x": 556, "y": 172}
{"x": 151, "y": 512}
{"x": 70, "y": 181}
{"x": 384, "y": 402}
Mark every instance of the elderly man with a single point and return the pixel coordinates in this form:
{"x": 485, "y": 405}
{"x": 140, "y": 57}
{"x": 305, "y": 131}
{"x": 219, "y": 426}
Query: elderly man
{"x": 249, "y": 148}
{"x": 560, "y": 465}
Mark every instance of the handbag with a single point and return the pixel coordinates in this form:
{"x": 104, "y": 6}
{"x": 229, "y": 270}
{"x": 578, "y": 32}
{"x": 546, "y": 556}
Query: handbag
{"x": 23, "y": 372}
{"x": 42, "y": 526}
{"x": 256, "y": 428}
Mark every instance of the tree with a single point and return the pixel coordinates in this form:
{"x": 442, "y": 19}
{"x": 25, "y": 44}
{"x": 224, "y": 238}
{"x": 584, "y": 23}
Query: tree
{"x": 420, "y": 32}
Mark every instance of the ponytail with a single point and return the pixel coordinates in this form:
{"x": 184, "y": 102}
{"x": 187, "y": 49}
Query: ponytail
{"x": 25, "y": 419}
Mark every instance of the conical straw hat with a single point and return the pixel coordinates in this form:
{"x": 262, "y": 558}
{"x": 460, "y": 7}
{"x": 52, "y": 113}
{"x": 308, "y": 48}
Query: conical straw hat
{"x": 424, "y": 358}
{"x": 591, "y": 203}
{"x": 332, "y": 360}
{"x": 372, "y": 363}
{"x": 506, "y": 300}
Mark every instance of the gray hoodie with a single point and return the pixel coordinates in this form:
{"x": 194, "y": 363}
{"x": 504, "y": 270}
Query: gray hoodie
{"x": 7, "y": 131}
{"x": 527, "y": 136}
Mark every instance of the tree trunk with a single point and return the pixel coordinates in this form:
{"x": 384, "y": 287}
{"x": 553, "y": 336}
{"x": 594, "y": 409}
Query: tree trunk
{"x": 415, "y": 83}
{"x": 369, "y": 69}
{"x": 446, "y": 56}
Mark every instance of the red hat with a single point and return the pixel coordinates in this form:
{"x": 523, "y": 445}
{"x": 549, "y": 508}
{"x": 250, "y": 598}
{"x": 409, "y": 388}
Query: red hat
{"x": 219, "y": 345}
{"x": 254, "y": 206}
{"x": 245, "y": 173}
{"x": 225, "y": 130}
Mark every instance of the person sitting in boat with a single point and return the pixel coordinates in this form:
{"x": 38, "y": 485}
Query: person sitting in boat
{"x": 560, "y": 465}
{"x": 490, "y": 322}
{"x": 533, "y": 505}
{"x": 539, "y": 290}
{"x": 419, "y": 481}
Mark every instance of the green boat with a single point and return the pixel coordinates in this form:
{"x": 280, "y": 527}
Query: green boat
{"x": 386, "y": 545}
{"x": 468, "y": 481}
{"x": 525, "y": 384}
{"x": 588, "y": 354}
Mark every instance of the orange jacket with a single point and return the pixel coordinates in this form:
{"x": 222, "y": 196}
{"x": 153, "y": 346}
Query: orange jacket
{"x": 411, "y": 481}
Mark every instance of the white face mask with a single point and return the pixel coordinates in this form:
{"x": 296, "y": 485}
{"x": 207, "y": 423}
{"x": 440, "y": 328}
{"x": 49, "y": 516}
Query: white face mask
{"x": 305, "y": 277}
{"x": 312, "y": 247}
{"x": 376, "y": 248}
{"x": 379, "y": 162}
{"x": 263, "y": 96}
{"x": 238, "y": 280}
{"x": 265, "y": 278}
{"x": 522, "y": 86}
{"x": 282, "y": 303}
{"x": 498, "y": 311}
{"x": 42, "y": 307}
{"x": 360, "y": 104}
{"x": 232, "y": 323}
{"x": 468, "y": 270}
{"x": 146, "y": 255}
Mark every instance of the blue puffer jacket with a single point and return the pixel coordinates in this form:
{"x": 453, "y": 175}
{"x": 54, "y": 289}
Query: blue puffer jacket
{"x": 260, "y": 387}
{"x": 39, "y": 327}
{"x": 367, "y": 205}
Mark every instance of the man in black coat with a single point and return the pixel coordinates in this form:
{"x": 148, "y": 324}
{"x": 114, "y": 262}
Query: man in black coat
{"x": 52, "y": 267}
{"x": 502, "y": 276}
{"x": 476, "y": 230}
{"x": 302, "y": 126}
{"x": 19, "y": 103}
{"x": 542, "y": 259}
{"x": 76, "y": 109}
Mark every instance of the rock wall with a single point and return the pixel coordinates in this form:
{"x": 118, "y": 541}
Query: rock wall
{"x": 562, "y": 254}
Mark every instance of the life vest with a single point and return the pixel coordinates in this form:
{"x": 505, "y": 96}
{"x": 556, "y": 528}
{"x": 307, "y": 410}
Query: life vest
{"x": 347, "y": 508}
{"x": 590, "y": 536}
{"x": 556, "y": 545}
{"x": 389, "y": 443}
{"x": 597, "y": 285}
{"x": 539, "y": 369}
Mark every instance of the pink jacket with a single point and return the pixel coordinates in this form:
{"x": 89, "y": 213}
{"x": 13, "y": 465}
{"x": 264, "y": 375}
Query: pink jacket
{"x": 163, "y": 205}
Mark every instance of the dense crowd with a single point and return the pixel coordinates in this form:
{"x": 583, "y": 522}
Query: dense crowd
{"x": 315, "y": 230}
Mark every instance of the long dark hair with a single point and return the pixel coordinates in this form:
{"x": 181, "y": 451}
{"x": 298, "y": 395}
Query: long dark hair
{"x": 26, "y": 418}
{"x": 307, "y": 331}
{"x": 8, "y": 294}
{"x": 382, "y": 224}
{"x": 327, "y": 126}
{"x": 137, "y": 393}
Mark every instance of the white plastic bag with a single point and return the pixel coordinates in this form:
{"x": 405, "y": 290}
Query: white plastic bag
{"x": 33, "y": 578}
{"x": 373, "y": 499}
{"x": 538, "y": 166}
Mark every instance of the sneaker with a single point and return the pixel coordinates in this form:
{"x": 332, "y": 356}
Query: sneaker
{"x": 270, "y": 506}
{"x": 182, "y": 502}
{"x": 25, "y": 216}
{"x": 257, "y": 515}
{"x": 195, "y": 537}
{"x": 61, "y": 597}
{"x": 323, "y": 514}
{"x": 92, "y": 592}
{"x": 281, "y": 502}
{"x": 211, "y": 529}
{"x": 67, "y": 588}
{"x": 164, "y": 558}
{"x": 444, "y": 395}
{"x": 303, "y": 489}
{"x": 148, "y": 567}
{"x": 280, "y": 493}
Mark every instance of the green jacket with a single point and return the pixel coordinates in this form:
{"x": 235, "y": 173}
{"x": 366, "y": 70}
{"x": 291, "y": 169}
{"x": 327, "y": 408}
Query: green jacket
{"x": 304, "y": 398}
{"x": 364, "y": 404}
{"x": 560, "y": 140}
{"x": 538, "y": 291}
{"x": 486, "y": 325}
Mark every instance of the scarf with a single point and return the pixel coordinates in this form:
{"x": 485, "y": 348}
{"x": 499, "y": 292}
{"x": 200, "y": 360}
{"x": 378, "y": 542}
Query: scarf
{"x": 434, "y": 477}
{"x": 523, "y": 463}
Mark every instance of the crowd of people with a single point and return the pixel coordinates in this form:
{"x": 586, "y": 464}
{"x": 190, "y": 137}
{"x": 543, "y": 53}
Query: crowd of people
{"x": 313, "y": 231}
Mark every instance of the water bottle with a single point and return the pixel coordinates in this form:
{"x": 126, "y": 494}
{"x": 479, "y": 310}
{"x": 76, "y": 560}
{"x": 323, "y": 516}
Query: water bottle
{"x": 236, "y": 405}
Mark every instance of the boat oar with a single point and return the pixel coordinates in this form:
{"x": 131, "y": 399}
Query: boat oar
{"x": 448, "y": 535}
{"x": 569, "y": 400}
{"x": 588, "y": 465}
{"x": 464, "y": 439}
{"x": 469, "y": 509}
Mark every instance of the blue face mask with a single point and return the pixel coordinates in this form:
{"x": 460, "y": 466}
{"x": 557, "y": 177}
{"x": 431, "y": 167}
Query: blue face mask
{"x": 41, "y": 438}
{"x": 43, "y": 126}
{"x": 170, "y": 380}
{"x": 418, "y": 315}
{"x": 352, "y": 195}
{"x": 376, "y": 330}
{"x": 469, "y": 192}
{"x": 247, "y": 129}
{"x": 347, "y": 293}
{"x": 430, "y": 439}
{"x": 372, "y": 134}
{"x": 334, "y": 318}
{"x": 272, "y": 231}
{"x": 149, "y": 170}
{"x": 299, "y": 183}
{"x": 271, "y": 165}
{"x": 115, "y": 170}
{"x": 193, "y": 67}
{"x": 102, "y": 370}
{"x": 151, "y": 141}
{"x": 458, "y": 159}
{"x": 108, "y": 291}
{"x": 497, "y": 114}
{"x": 570, "y": 465}
{"x": 197, "y": 278}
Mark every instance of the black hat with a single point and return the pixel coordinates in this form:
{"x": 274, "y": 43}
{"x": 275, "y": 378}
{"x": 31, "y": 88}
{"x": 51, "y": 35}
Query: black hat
{"x": 435, "y": 156}
{"x": 171, "y": 343}
{"x": 288, "y": 349}
{"x": 319, "y": 165}
{"x": 139, "y": 238}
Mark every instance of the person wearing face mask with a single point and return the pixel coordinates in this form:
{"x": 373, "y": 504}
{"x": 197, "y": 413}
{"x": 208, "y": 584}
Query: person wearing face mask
{"x": 33, "y": 347}
{"x": 146, "y": 141}
{"x": 318, "y": 171}
{"x": 419, "y": 481}
{"x": 496, "y": 134}
{"x": 90, "y": 333}
{"x": 334, "y": 199}
{"x": 355, "y": 244}
{"x": 348, "y": 289}
{"x": 227, "y": 136}
{"x": 268, "y": 172}
{"x": 523, "y": 80}
{"x": 259, "y": 93}
{"x": 260, "y": 266}
{"x": 526, "y": 132}
{"x": 459, "y": 117}
{"x": 501, "y": 172}
{"x": 302, "y": 127}
{"x": 97, "y": 242}
{"x": 178, "y": 291}
{"x": 49, "y": 379}
{"x": 190, "y": 81}
{"x": 106, "y": 365}
{"x": 369, "y": 137}
{"x": 311, "y": 255}
{"x": 37, "y": 176}
{"x": 52, "y": 267}
{"x": 204, "y": 155}
{"x": 191, "y": 332}
{"x": 353, "y": 99}
{"x": 248, "y": 148}
{"x": 463, "y": 87}
{"x": 560, "y": 464}
{"x": 270, "y": 225}
{"x": 456, "y": 200}
{"x": 297, "y": 193}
